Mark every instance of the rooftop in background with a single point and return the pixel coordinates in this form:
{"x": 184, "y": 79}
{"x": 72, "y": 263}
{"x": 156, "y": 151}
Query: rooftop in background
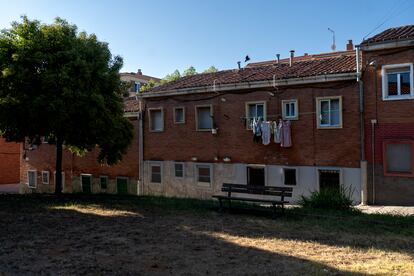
{"x": 392, "y": 34}
{"x": 302, "y": 66}
{"x": 131, "y": 104}
{"x": 138, "y": 76}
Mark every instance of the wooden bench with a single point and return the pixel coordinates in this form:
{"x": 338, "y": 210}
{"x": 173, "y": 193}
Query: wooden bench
{"x": 281, "y": 192}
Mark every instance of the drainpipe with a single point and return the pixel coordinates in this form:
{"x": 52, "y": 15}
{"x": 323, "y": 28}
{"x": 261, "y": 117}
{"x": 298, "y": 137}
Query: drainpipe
{"x": 373, "y": 123}
{"x": 363, "y": 162}
{"x": 140, "y": 189}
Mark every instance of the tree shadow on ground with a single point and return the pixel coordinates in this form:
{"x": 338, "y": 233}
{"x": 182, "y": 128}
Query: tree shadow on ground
{"x": 146, "y": 238}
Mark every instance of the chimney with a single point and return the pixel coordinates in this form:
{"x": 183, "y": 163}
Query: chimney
{"x": 278, "y": 58}
{"x": 350, "y": 45}
{"x": 139, "y": 72}
{"x": 292, "y": 55}
{"x": 239, "y": 64}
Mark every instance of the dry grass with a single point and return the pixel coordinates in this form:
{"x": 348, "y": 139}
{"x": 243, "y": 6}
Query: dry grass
{"x": 111, "y": 235}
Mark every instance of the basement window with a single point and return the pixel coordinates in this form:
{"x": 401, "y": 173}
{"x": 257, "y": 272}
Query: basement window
{"x": 103, "y": 179}
{"x": 398, "y": 158}
{"x": 179, "y": 169}
{"x": 289, "y": 176}
{"x": 156, "y": 120}
{"x": 45, "y": 177}
{"x": 397, "y": 82}
{"x": 32, "y": 179}
{"x": 156, "y": 173}
{"x": 204, "y": 174}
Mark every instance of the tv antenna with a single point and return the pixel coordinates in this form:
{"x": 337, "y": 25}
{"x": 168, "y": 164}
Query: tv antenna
{"x": 333, "y": 47}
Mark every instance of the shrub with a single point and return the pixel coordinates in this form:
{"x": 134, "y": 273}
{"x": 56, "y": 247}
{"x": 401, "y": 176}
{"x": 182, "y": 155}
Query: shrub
{"x": 332, "y": 199}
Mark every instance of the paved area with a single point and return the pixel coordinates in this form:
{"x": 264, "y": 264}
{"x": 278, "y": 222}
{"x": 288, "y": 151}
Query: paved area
{"x": 393, "y": 210}
{"x": 9, "y": 188}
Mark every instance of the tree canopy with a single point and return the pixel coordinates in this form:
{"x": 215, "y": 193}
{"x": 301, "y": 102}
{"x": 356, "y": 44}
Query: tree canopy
{"x": 65, "y": 84}
{"x": 187, "y": 72}
{"x": 210, "y": 69}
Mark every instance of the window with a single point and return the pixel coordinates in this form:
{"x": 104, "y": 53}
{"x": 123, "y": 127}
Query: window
{"x": 122, "y": 185}
{"x": 256, "y": 176}
{"x": 32, "y": 179}
{"x": 255, "y": 110}
{"x": 86, "y": 183}
{"x": 289, "y": 176}
{"x": 179, "y": 169}
{"x": 45, "y": 177}
{"x": 156, "y": 173}
{"x": 156, "y": 120}
{"x": 179, "y": 115}
{"x": 137, "y": 86}
{"x": 397, "y": 81}
{"x": 203, "y": 173}
{"x": 103, "y": 179}
{"x": 290, "y": 109}
{"x": 329, "y": 180}
{"x": 329, "y": 112}
{"x": 204, "y": 117}
{"x": 398, "y": 158}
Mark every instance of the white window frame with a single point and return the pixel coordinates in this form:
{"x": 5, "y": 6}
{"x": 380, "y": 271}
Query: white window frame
{"x": 211, "y": 114}
{"x": 150, "y": 122}
{"x": 296, "y": 175}
{"x": 89, "y": 175}
{"x": 28, "y": 178}
{"x": 174, "y": 110}
{"x": 204, "y": 184}
{"x": 153, "y": 164}
{"x": 296, "y": 105}
{"x": 107, "y": 182}
{"x": 319, "y": 115}
{"x": 384, "y": 74}
{"x": 247, "y": 104}
{"x": 180, "y": 163}
{"x": 48, "y": 177}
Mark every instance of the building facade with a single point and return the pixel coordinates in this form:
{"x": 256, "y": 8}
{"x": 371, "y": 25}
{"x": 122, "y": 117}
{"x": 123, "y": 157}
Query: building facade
{"x": 348, "y": 115}
{"x": 9, "y": 162}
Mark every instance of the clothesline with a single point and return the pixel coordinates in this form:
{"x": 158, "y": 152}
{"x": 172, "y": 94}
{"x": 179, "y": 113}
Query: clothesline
{"x": 280, "y": 115}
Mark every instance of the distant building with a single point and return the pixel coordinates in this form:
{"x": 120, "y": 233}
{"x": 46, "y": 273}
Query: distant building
{"x": 136, "y": 81}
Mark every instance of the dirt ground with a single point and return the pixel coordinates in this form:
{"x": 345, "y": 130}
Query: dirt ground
{"x": 39, "y": 235}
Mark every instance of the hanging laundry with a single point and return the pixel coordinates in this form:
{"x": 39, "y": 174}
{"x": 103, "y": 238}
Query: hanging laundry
{"x": 286, "y": 139}
{"x": 257, "y": 130}
{"x": 266, "y": 133}
{"x": 277, "y": 131}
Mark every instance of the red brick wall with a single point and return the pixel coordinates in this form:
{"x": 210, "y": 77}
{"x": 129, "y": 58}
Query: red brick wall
{"x": 311, "y": 146}
{"x": 395, "y": 119}
{"x": 9, "y": 162}
{"x": 44, "y": 157}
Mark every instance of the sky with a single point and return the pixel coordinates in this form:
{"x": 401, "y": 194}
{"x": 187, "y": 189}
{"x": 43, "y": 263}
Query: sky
{"x": 161, "y": 36}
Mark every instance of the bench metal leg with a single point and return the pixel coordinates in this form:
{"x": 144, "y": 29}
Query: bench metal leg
{"x": 221, "y": 205}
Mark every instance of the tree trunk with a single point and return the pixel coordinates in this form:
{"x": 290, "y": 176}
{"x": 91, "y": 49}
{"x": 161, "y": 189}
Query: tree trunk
{"x": 58, "y": 177}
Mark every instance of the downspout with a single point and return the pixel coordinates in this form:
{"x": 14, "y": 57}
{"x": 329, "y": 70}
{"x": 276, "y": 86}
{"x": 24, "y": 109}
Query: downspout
{"x": 363, "y": 162}
{"x": 373, "y": 123}
{"x": 140, "y": 188}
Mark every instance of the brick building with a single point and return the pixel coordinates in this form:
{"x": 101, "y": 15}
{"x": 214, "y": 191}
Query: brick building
{"x": 9, "y": 162}
{"x": 195, "y": 133}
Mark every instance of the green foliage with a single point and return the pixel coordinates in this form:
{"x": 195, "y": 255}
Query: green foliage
{"x": 60, "y": 83}
{"x": 151, "y": 83}
{"x": 210, "y": 69}
{"x": 171, "y": 77}
{"x": 190, "y": 71}
{"x": 329, "y": 199}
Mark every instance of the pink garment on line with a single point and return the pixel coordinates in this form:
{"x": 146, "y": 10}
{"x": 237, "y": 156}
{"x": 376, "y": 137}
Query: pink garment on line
{"x": 286, "y": 137}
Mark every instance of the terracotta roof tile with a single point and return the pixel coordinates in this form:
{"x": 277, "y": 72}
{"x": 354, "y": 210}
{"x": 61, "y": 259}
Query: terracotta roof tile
{"x": 343, "y": 62}
{"x": 397, "y": 33}
{"x": 131, "y": 104}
